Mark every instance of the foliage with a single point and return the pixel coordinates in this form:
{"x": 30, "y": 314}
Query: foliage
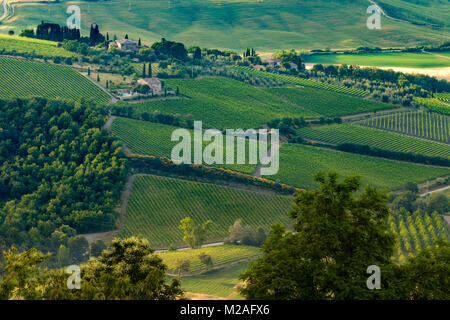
{"x": 337, "y": 236}
{"x": 60, "y": 172}
{"x": 194, "y": 234}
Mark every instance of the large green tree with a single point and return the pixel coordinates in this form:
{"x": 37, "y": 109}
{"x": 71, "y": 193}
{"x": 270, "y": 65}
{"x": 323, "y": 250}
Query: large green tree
{"x": 338, "y": 234}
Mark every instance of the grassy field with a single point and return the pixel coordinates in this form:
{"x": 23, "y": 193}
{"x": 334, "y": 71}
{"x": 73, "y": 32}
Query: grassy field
{"x": 23, "y": 79}
{"x": 348, "y": 133}
{"x": 224, "y": 103}
{"x": 392, "y": 59}
{"x": 328, "y": 104}
{"x": 27, "y": 45}
{"x": 217, "y": 284}
{"x": 157, "y": 205}
{"x": 425, "y": 125}
{"x": 154, "y": 139}
{"x": 265, "y": 25}
{"x": 299, "y": 162}
{"x": 220, "y": 255}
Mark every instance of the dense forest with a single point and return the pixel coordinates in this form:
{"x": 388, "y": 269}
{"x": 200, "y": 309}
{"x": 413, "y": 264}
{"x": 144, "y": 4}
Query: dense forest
{"x": 61, "y": 173}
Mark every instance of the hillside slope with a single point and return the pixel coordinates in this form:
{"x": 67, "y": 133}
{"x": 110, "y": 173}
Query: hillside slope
{"x": 266, "y": 25}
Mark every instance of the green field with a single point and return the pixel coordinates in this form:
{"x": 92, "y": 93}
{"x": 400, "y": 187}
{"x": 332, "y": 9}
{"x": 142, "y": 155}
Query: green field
{"x": 328, "y": 104}
{"x": 304, "y": 82}
{"x": 217, "y": 284}
{"x": 36, "y": 46}
{"x": 299, "y": 162}
{"x": 157, "y": 205}
{"x": 349, "y": 133}
{"x": 425, "y": 125}
{"x": 24, "y": 79}
{"x": 224, "y": 103}
{"x": 265, "y": 25}
{"x": 391, "y": 59}
{"x": 444, "y": 96}
{"x": 220, "y": 255}
{"x": 434, "y": 105}
{"x": 154, "y": 139}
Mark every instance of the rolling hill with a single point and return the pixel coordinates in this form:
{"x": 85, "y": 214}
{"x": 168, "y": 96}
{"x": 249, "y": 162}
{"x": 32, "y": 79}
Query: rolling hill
{"x": 266, "y": 25}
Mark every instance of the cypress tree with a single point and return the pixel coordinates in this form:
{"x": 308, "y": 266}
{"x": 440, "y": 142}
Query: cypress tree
{"x": 126, "y": 36}
{"x": 89, "y": 71}
{"x": 150, "y": 75}
{"x": 139, "y": 42}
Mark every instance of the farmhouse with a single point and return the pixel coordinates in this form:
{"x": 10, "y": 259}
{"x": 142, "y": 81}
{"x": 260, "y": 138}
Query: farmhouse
{"x": 154, "y": 83}
{"x": 274, "y": 62}
{"x": 124, "y": 44}
{"x": 259, "y": 67}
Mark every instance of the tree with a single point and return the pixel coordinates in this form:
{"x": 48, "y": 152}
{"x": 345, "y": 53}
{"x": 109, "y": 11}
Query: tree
{"x": 337, "y": 236}
{"x": 438, "y": 202}
{"x": 411, "y": 186}
{"x": 129, "y": 270}
{"x": 63, "y": 256}
{"x": 143, "y": 70}
{"x": 197, "y": 54}
{"x": 182, "y": 266}
{"x": 150, "y": 74}
{"x": 206, "y": 260}
{"x": 79, "y": 249}
{"x": 97, "y": 248}
{"x": 194, "y": 235}
{"x": 98, "y": 77}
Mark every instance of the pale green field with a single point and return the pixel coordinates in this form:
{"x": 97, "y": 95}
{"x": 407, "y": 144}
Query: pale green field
{"x": 266, "y": 25}
{"x": 27, "y": 45}
{"x": 394, "y": 59}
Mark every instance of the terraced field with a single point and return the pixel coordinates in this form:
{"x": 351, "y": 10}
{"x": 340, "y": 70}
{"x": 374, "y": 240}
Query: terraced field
{"x": 299, "y": 162}
{"x": 348, "y": 133}
{"x": 434, "y": 105}
{"x": 157, "y": 204}
{"x": 24, "y": 79}
{"x": 154, "y": 139}
{"x": 36, "y": 46}
{"x": 328, "y": 104}
{"x": 305, "y": 82}
{"x": 220, "y": 255}
{"x": 416, "y": 231}
{"x": 427, "y": 125}
{"x": 223, "y": 103}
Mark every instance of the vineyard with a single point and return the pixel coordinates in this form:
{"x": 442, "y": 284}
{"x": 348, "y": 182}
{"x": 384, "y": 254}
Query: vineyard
{"x": 224, "y": 103}
{"x": 434, "y": 105}
{"x": 348, "y": 133}
{"x": 328, "y": 104}
{"x": 24, "y": 79}
{"x": 444, "y": 96}
{"x": 299, "y": 162}
{"x": 30, "y": 45}
{"x": 221, "y": 255}
{"x": 219, "y": 283}
{"x": 154, "y": 139}
{"x": 427, "y": 125}
{"x": 415, "y": 231}
{"x": 157, "y": 205}
{"x": 305, "y": 82}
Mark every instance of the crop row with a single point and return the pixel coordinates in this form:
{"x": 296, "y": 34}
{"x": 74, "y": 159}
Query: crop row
{"x": 434, "y": 105}
{"x": 305, "y": 82}
{"x": 426, "y": 125}
{"x": 23, "y": 79}
{"x": 157, "y": 205}
{"x": 349, "y": 133}
{"x": 415, "y": 231}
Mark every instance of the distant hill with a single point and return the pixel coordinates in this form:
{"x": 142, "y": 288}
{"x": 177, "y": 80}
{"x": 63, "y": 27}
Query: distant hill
{"x": 266, "y": 25}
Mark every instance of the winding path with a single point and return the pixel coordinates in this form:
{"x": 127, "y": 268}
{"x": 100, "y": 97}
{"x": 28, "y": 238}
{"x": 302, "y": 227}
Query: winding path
{"x": 5, "y": 10}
